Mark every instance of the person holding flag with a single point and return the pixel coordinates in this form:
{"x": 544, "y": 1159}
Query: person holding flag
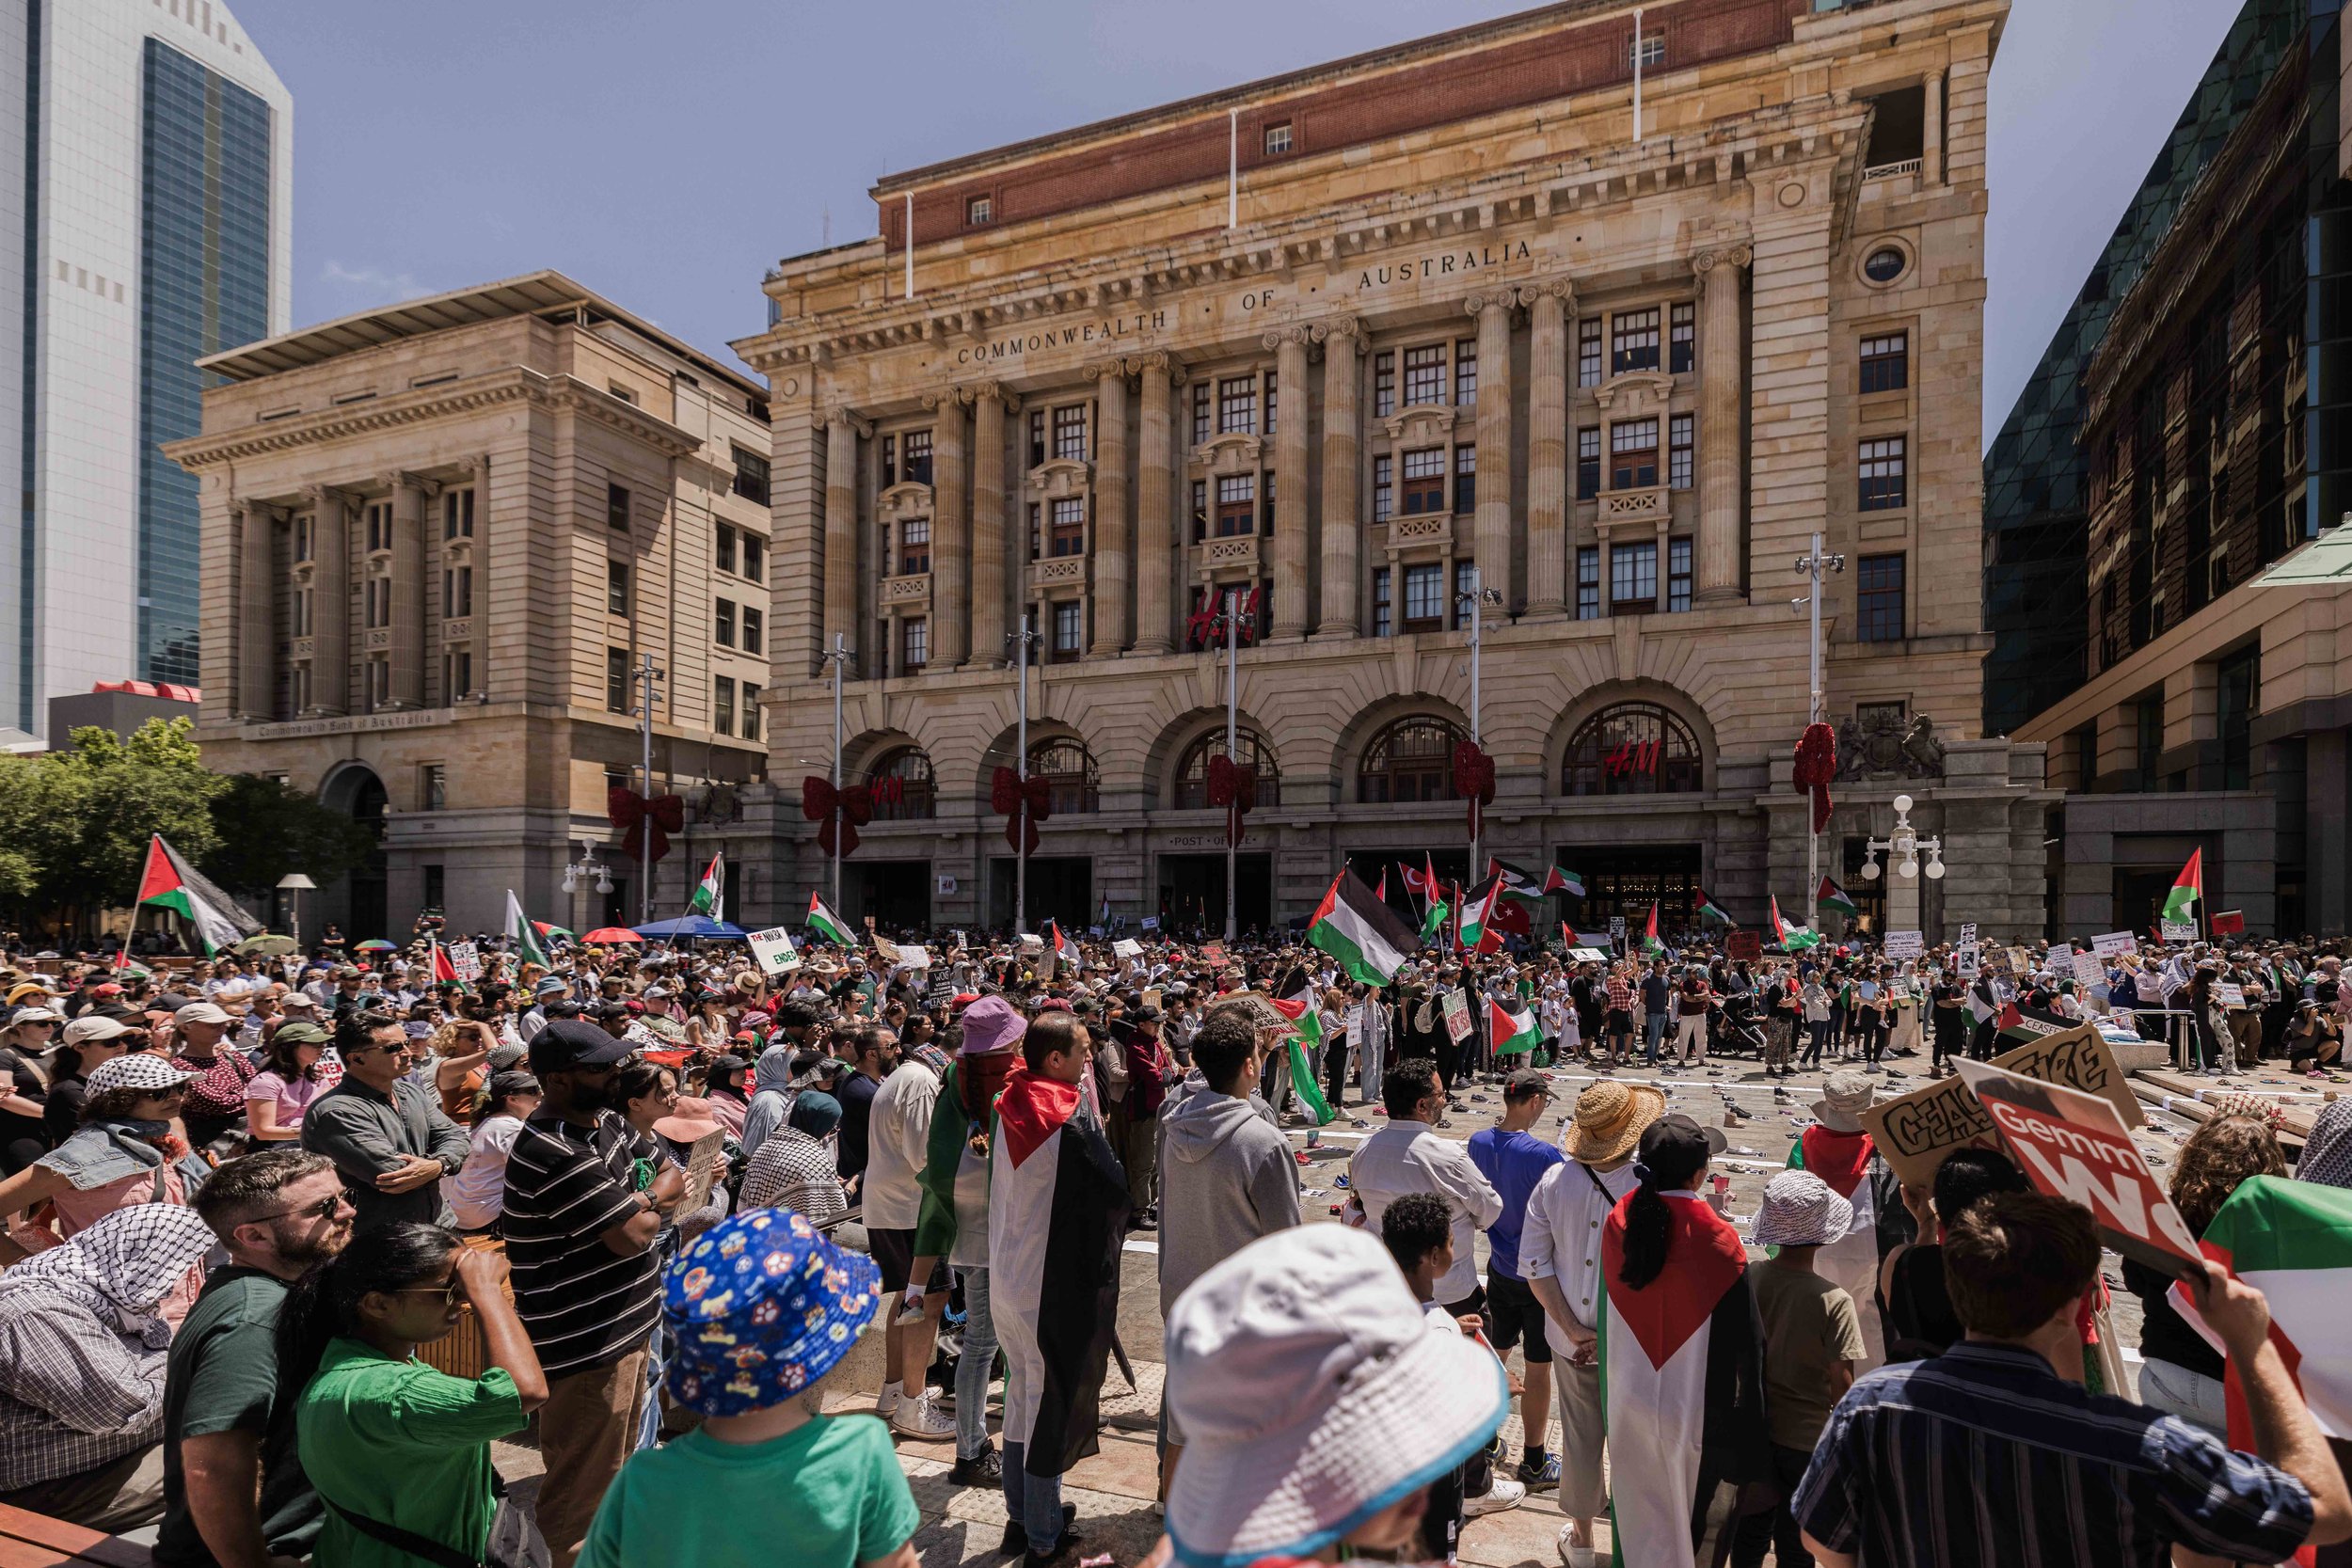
{"x": 828, "y": 924}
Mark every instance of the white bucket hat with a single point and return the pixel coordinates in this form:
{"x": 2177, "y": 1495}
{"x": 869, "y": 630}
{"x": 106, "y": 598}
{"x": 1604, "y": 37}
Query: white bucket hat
{"x": 1802, "y": 1210}
{"x": 1312, "y": 1393}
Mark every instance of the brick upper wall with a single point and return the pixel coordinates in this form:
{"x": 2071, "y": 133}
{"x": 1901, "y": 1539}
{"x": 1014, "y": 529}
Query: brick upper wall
{"x": 1509, "y": 74}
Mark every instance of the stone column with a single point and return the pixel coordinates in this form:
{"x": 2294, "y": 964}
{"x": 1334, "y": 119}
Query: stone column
{"x": 1290, "y": 482}
{"x": 407, "y": 499}
{"x": 988, "y": 526}
{"x": 1931, "y": 132}
{"x": 1337, "y": 614}
{"x": 1494, "y": 444}
{"x": 331, "y": 603}
{"x": 1552, "y": 307}
{"x": 842, "y": 431}
{"x": 1114, "y": 534}
{"x": 1155, "y": 506}
{"x": 951, "y": 538}
{"x": 257, "y": 613}
{"x": 1721, "y": 387}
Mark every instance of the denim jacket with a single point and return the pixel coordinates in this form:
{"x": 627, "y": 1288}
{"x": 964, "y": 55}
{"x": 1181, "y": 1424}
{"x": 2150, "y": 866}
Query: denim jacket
{"x": 104, "y": 1151}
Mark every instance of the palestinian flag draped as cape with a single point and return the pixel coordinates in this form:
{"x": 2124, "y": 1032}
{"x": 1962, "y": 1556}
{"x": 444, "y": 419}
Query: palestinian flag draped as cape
{"x": 1057, "y": 1222}
{"x": 1682, "y": 1390}
{"x": 953, "y": 1222}
{"x": 1856, "y": 1172}
{"x": 167, "y": 881}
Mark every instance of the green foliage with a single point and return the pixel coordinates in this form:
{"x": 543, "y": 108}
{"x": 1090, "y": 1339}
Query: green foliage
{"x": 267, "y": 829}
{"x": 106, "y": 797}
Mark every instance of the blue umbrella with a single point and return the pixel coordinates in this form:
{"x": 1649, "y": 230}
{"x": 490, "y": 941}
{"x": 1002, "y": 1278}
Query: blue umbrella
{"x": 692, "y": 926}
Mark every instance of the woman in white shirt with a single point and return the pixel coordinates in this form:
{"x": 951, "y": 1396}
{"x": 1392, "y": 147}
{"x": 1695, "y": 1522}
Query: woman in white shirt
{"x": 477, "y": 1191}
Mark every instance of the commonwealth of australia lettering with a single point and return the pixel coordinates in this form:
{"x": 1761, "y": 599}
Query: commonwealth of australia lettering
{"x": 1075, "y": 336}
{"x": 1442, "y": 265}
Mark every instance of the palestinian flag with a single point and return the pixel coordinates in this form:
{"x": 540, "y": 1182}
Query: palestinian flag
{"x": 955, "y": 1177}
{"x": 1479, "y": 933}
{"x": 1856, "y": 1172}
{"x": 1516, "y": 881}
{"x": 1056, "y": 1221}
{"x": 1065, "y": 951}
{"x": 1681, "y": 1387}
{"x": 1513, "y": 1034}
{"x": 1829, "y": 895}
{"x": 1710, "y": 910}
{"x": 2188, "y": 888}
{"x": 828, "y": 924}
{"x": 2022, "y": 1026}
{"x": 711, "y": 889}
{"x": 1381, "y": 891}
{"x": 442, "y": 968}
{"x": 1433, "y": 924}
{"x": 1306, "y": 1049}
{"x": 1793, "y": 938}
{"x": 167, "y": 881}
{"x": 548, "y": 929}
{"x": 1651, "y": 947}
{"x": 1568, "y": 884}
{"x": 1361, "y": 931}
{"x": 2293, "y": 1241}
{"x": 524, "y": 933}
{"x": 1513, "y": 911}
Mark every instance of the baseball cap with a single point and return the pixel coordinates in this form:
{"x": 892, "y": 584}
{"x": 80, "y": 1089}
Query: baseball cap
{"x": 200, "y": 1012}
{"x": 90, "y": 1028}
{"x": 566, "y": 1043}
{"x": 300, "y": 1000}
{"x": 38, "y": 1015}
{"x": 1527, "y": 1078}
{"x": 300, "y": 1033}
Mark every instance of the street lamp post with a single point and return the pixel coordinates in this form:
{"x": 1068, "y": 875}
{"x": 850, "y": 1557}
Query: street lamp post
{"x": 1022, "y": 642}
{"x": 1905, "y": 842}
{"x": 1476, "y": 599}
{"x": 838, "y": 658}
{"x": 1227, "y": 620}
{"x": 650, "y": 677}
{"x": 586, "y": 869}
{"x": 1813, "y": 568}
{"x": 294, "y": 884}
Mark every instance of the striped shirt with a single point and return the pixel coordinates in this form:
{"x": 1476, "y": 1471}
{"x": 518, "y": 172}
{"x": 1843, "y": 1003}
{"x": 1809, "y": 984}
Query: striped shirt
{"x": 583, "y": 1305}
{"x": 1982, "y": 1456}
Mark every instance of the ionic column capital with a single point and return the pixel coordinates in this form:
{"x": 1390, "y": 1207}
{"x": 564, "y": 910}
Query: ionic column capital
{"x": 1158, "y": 362}
{"x": 986, "y": 391}
{"x": 1706, "y": 261}
{"x": 1550, "y": 288}
{"x": 396, "y": 479}
{"x": 944, "y": 397}
{"x": 1298, "y": 335}
{"x": 1500, "y": 299}
{"x": 841, "y": 419}
{"x": 1347, "y": 329}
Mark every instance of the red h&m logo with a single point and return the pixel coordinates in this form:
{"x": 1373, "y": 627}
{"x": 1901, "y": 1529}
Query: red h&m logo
{"x": 1629, "y": 757}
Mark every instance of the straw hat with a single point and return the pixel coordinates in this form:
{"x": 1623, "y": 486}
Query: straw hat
{"x": 1610, "y": 1118}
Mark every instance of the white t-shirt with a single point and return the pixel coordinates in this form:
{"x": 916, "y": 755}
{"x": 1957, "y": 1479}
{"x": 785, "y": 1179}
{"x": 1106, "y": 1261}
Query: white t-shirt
{"x": 477, "y": 1191}
{"x": 898, "y": 1146}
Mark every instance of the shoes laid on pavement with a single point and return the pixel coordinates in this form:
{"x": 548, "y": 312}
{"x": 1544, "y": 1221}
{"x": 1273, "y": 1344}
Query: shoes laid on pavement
{"x": 1505, "y": 1493}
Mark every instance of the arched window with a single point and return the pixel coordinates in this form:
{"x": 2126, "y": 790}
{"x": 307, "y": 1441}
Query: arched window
{"x": 1632, "y": 749}
{"x": 901, "y": 783}
{"x": 1068, "y": 767}
{"x": 1411, "y": 760}
{"x": 1192, "y": 775}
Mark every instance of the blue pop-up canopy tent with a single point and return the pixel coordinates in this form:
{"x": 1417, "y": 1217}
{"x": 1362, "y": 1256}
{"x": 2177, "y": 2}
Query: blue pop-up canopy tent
{"x": 692, "y": 926}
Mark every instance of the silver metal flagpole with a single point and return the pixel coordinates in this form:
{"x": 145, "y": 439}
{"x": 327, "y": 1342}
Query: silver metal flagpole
{"x": 909, "y": 236}
{"x": 1815, "y": 567}
{"x": 1232, "y": 169}
{"x": 647, "y": 674}
{"x": 839, "y": 657}
{"x": 1233, "y": 724}
{"x": 1021, "y": 810}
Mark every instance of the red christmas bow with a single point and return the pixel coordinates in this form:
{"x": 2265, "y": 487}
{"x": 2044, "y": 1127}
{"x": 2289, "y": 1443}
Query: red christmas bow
{"x": 842, "y": 811}
{"x": 1023, "y": 803}
{"x": 1815, "y": 765}
{"x": 1473, "y": 779}
{"x": 1235, "y": 789}
{"x": 636, "y": 816}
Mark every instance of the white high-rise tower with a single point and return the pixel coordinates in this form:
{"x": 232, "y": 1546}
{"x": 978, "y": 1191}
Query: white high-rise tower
{"x": 145, "y": 197}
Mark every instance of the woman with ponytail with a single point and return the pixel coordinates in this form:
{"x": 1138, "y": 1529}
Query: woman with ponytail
{"x": 1682, "y": 1358}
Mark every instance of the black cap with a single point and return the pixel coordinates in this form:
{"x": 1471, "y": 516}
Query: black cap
{"x": 1525, "y": 1081}
{"x": 1677, "y": 1148}
{"x": 566, "y": 1043}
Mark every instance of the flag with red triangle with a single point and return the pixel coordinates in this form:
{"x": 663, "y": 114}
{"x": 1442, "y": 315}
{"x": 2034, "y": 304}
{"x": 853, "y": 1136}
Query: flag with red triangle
{"x": 167, "y": 881}
{"x": 2188, "y": 888}
{"x": 442, "y": 968}
{"x": 1651, "y": 947}
{"x": 1381, "y": 891}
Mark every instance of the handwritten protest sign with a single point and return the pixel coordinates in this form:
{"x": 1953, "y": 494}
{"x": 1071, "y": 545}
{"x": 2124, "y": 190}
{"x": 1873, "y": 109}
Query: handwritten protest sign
{"x": 1127, "y": 947}
{"x": 465, "y": 959}
{"x": 1744, "y": 944}
{"x": 1458, "y": 1017}
{"x": 1905, "y": 945}
{"x": 773, "y": 951}
{"x": 2113, "y": 943}
{"x": 2090, "y": 970}
{"x": 1915, "y": 1130}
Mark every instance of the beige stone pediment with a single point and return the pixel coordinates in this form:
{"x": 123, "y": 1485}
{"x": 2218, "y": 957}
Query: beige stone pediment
{"x": 1635, "y": 394}
{"x": 1430, "y": 421}
{"x": 1234, "y": 452}
{"x": 906, "y": 499}
{"x": 1059, "y": 479}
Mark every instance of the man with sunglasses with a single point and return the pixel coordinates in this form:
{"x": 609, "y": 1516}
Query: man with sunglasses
{"x": 234, "y": 1492}
{"x": 388, "y": 1137}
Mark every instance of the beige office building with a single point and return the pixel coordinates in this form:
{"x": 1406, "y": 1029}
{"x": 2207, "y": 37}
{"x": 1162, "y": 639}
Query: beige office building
{"x": 438, "y": 538}
{"x": 1343, "y": 346}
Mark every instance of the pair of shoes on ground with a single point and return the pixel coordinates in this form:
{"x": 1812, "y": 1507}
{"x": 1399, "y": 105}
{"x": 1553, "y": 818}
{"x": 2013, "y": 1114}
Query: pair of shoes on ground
{"x": 1017, "y": 1540}
{"x": 920, "y": 1416}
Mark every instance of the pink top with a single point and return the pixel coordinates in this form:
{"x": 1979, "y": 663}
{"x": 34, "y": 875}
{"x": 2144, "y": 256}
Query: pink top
{"x": 290, "y": 1098}
{"x": 79, "y": 1208}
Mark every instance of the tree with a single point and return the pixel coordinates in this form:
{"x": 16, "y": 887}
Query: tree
{"x": 105, "y": 798}
{"x": 266, "y": 828}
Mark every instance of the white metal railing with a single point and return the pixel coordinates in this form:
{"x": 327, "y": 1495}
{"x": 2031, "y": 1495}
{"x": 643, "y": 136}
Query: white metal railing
{"x": 1887, "y": 171}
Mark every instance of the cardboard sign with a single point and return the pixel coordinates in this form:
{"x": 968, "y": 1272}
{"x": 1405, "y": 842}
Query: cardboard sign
{"x": 703, "y": 1164}
{"x": 2228, "y": 922}
{"x": 1905, "y": 945}
{"x": 1616, "y": 927}
{"x": 940, "y": 992}
{"x": 1744, "y": 944}
{"x": 2177, "y": 930}
{"x": 1915, "y": 1130}
{"x": 2232, "y": 996}
{"x": 1127, "y": 947}
{"x": 1594, "y": 939}
{"x": 1964, "y": 962}
{"x": 2090, "y": 970}
{"x": 1968, "y": 934}
{"x": 1458, "y": 1019}
{"x": 773, "y": 951}
{"x": 2114, "y": 943}
{"x": 2072, "y": 1146}
{"x": 2020, "y": 961}
{"x": 913, "y": 956}
{"x": 1151, "y": 922}
{"x": 465, "y": 959}
{"x": 1589, "y": 954}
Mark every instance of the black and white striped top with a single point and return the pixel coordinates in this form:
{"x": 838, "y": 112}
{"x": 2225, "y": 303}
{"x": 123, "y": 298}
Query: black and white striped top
{"x": 583, "y": 1305}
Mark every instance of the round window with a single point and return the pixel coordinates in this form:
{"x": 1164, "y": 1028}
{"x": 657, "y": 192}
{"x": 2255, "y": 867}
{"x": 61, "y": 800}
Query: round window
{"x": 1884, "y": 264}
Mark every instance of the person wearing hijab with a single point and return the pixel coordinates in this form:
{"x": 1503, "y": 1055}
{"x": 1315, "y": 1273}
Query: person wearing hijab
{"x": 772, "y": 1096}
{"x": 797, "y": 1168}
{"x": 725, "y": 1093}
{"x": 82, "y": 1351}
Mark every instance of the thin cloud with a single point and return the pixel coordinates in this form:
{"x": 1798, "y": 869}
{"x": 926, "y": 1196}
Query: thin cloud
{"x": 374, "y": 285}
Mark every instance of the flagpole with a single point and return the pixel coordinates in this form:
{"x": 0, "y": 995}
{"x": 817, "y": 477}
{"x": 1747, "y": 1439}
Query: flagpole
{"x": 1021, "y": 808}
{"x": 1637, "y": 76}
{"x": 1233, "y": 724}
{"x": 840, "y": 656}
{"x": 1814, "y": 566}
{"x": 647, "y": 673}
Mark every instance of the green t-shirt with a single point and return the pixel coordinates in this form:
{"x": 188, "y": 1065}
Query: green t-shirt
{"x": 222, "y": 1376}
{"x": 1810, "y": 1326}
{"x": 826, "y": 1494}
{"x": 404, "y": 1444}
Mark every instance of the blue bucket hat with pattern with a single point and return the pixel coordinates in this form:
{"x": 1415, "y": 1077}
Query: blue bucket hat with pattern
{"x": 762, "y": 1306}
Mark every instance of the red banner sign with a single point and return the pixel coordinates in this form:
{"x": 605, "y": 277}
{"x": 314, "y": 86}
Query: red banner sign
{"x": 1744, "y": 944}
{"x": 2228, "y": 922}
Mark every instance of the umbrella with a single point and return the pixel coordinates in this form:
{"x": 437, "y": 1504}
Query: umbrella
{"x": 376, "y": 945}
{"x": 690, "y": 926}
{"x": 604, "y": 934}
{"x": 266, "y": 946}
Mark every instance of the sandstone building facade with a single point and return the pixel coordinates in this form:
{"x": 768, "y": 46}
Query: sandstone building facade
{"x": 1342, "y": 347}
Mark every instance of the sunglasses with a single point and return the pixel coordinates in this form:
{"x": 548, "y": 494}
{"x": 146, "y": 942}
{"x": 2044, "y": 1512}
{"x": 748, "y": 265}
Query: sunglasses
{"x": 324, "y": 1209}
{"x": 451, "y": 1290}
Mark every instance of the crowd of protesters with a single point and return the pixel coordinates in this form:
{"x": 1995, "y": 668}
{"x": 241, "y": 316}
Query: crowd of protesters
{"x": 662, "y": 1193}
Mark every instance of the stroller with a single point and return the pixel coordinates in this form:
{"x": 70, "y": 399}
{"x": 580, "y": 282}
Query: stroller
{"x": 1738, "y": 1026}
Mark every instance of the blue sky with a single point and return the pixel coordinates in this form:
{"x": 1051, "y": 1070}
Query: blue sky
{"x": 667, "y": 153}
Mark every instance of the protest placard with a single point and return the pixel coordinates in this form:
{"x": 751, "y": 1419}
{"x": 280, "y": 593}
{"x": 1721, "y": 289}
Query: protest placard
{"x": 941, "y": 991}
{"x": 1964, "y": 962}
{"x": 704, "y": 1162}
{"x": 465, "y": 958}
{"x": 1915, "y": 1130}
{"x": 2114, "y": 942}
{"x": 1127, "y": 947}
{"x": 2232, "y": 995}
{"x": 2177, "y": 930}
{"x": 773, "y": 951}
{"x": 913, "y": 956}
{"x": 1150, "y": 923}
{"x": 2227, "y": 923}
{"x": 2074, "y": 1145}
{"x": 1457, "y": 1015}
{"x": 1968, "y": 933}
{"x": 2090, "y": 970}
{"x": 1589, "y": 954}
{"x": 1905, "y": 945}
{"x": 1744, "y": 944}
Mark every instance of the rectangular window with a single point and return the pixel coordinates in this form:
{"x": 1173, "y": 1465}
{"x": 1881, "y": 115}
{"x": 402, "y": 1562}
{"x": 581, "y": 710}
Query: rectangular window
{"x": 889, "y": 461}
{"x": 1271, "y": 389}
{"x": 978, "y": 209}
{"x": 616, "y": 507}
{"x": 1237, "y": 405}
{"x": 1200, "y": 413}
{"x": 753, "y": 622}
{"x": 1383, "y": 487}
{"x": 1069, "y": 627}
{"x": 1384, "y": 382}
{"x": 1633, "y": 454}
{"x": 1678, "y": 573}
{"x": 456, "y": 515}
{"x": 1036, "y": 426}
{"x": 456, "y": 676}
{"x": 722, "y": 704}
{"x": 754, "y": 557}
{"x": 1634, "y": 344}
{"x": 724, "y": 556}
{"x": 1679, "y": 450}
{"x": 1587, "y": 461}
{"x": 915, "y": 644}
{"x": 1424, "y": 481}
{"x": 1069, "y": 527}
{"x": 1465, "y": 479}
{"x": 433, "y": 787}
{"x": 1424, "y": 375}
{"x": 616, "y": 587}
{"x": 1589, "y": 582}
{"x": 1465, "y": 584}
{"x": 751, "y": 711}
{"x": 379, "y": 526}
{"x": 1879, "y": 604}
{"x": 301, "y": 615}
{"x": 1881, "y": 485}
{"x": 457, "y": 593}
{"x": 1277, "y": 140}
{"x": 1424, "y": 598}
{"x": 751, "y": 475}
{"x": 1382, "y": 624}
{"x": 1199, "y": 510}
{"x": 1886, "y": 362}
{"x": 1070, "y": 433}
{"x": 1588, "y": 351}
{"x": 722, "y": 624}
{"x": 302, "y": 530}
{"x": 1466, "y": 372}
{"x": 1682, "y": 338}
{"x": 1236, "y": 505}
{"x": 436, "y": 882}
{"x": 2237, "y": 690}
{"x": 914, "y": 545}
{"x": 1266, "y": 505}
{"x": 616, "y": 680}
{"x": 917, "y": 450}
{"x": 1633, "y": 578}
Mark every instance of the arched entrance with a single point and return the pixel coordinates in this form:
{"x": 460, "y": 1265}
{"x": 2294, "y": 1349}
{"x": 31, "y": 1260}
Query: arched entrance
{"x": 356, "y": 792}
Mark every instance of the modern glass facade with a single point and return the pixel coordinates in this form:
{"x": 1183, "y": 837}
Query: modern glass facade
{"x": 204, "y": 285}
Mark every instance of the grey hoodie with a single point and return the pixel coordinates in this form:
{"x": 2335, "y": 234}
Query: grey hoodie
{"x": 1226, "y": 1178}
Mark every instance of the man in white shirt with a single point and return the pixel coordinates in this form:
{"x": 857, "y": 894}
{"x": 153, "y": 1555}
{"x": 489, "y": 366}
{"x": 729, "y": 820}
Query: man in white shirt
{"x": 1406, "y": 1156}
{"x": 1560, "y": 1258}
{"x": 898, "y": 1146}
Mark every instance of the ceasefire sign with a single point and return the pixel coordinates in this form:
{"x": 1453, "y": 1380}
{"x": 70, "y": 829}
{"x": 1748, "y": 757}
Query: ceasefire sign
{"x": 2074, "y": 1145}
